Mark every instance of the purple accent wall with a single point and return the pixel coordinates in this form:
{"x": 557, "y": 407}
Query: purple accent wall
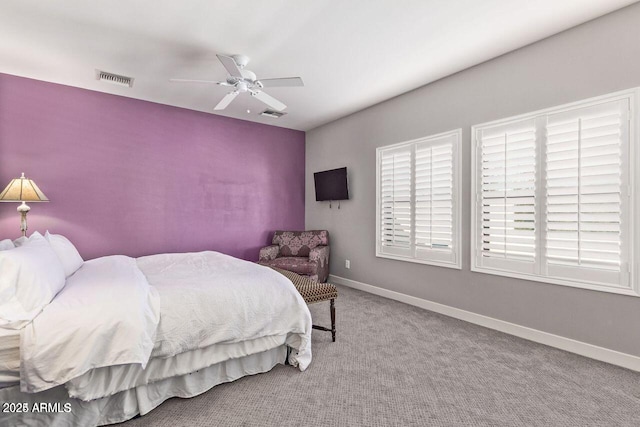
{"x": 132, "y": 177}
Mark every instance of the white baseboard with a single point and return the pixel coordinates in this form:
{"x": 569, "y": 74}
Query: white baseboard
{"x": 625, "y": 360}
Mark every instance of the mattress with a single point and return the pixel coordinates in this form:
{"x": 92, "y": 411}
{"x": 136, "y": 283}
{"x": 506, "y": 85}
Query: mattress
{"x": 9, "y": 357}
{"x": 65, "y": 411}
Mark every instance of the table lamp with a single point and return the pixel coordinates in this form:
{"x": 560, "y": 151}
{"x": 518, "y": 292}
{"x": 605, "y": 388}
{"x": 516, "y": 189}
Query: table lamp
{"x": 23, "y": 190}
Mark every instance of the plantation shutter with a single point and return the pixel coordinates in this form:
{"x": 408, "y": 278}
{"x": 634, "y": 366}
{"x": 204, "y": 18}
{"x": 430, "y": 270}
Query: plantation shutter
{"x": 585, "y": 197}
{"x": 554, "y": 196}
{"x": 434, "y": 199}
{"x": 507, "y": 196}
{"x": 418, "y": 212}
{"x": 395, "y": 201}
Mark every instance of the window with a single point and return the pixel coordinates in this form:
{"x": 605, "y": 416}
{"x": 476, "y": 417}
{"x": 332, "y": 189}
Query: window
{"x": 418, "y": 217}
{"x": 552, "y": 195}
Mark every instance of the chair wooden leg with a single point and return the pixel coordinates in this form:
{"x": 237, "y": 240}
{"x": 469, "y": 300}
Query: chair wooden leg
{"x": 332, "y": 307}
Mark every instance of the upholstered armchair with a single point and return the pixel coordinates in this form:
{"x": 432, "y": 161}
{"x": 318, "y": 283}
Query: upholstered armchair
{"x": 303, "y": 252}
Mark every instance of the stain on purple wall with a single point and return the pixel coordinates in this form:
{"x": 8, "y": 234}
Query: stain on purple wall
{"x": 132, "y": 177}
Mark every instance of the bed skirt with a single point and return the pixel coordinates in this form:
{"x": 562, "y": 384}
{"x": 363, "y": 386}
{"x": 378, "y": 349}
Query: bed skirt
{"x": 54, "y": 407}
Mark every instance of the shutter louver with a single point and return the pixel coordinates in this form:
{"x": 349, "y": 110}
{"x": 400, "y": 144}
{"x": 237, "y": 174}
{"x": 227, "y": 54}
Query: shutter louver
{"x": 395, "y": 201}
{"x": 434, "y": 196}
{"x": 507, "y": 191}
{"x": 584, "y": 187}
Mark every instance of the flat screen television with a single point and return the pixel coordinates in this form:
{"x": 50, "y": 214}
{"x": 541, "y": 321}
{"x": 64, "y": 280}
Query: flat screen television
{"x": 331, "y": 185}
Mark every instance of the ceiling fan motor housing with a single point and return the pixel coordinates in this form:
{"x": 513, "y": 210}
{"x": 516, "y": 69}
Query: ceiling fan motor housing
{"x": 248, "y": 75}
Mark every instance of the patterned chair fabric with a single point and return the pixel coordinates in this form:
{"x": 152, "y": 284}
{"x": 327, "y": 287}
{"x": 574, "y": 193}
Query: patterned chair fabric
{"x": 269, "y": 253}
{"x": 303, "y": 252}
{"x": 299, "y": 243}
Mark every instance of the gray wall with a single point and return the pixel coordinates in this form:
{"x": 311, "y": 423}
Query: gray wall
{"x": 596, "y": 58}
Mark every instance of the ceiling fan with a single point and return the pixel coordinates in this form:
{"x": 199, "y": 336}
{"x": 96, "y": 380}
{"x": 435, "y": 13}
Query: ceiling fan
{"x": 242, "y": 80}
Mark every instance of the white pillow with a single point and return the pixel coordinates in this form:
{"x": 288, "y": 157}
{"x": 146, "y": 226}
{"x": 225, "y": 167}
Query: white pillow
{"x": 31, "y": 276}
{"x": 6, "y": 244}
{"x": 66, "y": 252}
{"x": 21, "y": 241}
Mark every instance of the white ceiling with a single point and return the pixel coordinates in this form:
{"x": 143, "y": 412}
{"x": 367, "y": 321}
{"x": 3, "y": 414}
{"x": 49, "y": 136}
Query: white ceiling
{"x": 351, "y": 54}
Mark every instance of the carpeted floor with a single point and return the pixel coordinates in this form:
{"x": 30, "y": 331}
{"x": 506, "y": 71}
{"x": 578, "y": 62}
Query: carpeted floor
{"x": 394, "y": 364}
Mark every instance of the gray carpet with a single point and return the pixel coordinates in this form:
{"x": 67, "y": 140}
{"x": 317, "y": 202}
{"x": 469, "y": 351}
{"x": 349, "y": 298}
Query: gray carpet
{"x": 394, "y": 364}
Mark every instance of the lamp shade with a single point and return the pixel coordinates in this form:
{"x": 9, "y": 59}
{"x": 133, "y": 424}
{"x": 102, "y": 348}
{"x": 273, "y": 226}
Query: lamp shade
{"x": 22, "y": 190}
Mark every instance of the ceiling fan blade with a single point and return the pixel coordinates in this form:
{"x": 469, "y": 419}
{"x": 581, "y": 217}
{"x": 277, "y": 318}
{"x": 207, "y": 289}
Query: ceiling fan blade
{"x": 196, "y": 81}
{"x": 226, "y": 101}
{"x": 269, "y": 100}
{"x": 230, "y": 64}
{"x": 282, "y": 82}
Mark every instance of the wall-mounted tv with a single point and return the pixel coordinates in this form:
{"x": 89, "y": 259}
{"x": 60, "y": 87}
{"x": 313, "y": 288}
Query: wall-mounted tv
{"x": 331, "y": 185}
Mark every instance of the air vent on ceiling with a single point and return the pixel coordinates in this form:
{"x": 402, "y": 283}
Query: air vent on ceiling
{"x": 272, "y": 113}
{"x": 114, "y": 78}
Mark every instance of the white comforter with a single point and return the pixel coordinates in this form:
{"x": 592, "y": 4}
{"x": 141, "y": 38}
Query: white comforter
{"x": 107, "y": 314}
{"x": 213, "y": 298}
{"x": 207, "y": 301}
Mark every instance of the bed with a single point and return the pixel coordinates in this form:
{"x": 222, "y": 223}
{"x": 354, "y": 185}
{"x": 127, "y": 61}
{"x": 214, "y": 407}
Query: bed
{"x": 123, "y": 334}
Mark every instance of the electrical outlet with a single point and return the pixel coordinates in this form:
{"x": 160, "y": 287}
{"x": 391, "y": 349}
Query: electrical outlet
{"x": 347, "y": 263}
